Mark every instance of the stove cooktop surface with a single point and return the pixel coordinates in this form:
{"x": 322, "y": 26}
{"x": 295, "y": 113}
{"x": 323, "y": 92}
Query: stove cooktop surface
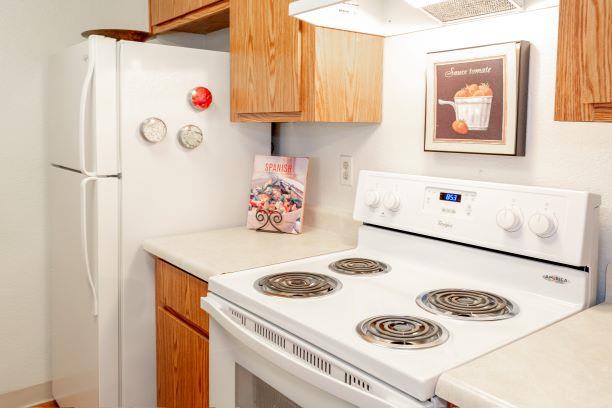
{"x": 375, "y": 323}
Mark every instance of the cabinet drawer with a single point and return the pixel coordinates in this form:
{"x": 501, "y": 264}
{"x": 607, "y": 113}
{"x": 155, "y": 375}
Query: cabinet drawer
{"x": 181, "y": 292}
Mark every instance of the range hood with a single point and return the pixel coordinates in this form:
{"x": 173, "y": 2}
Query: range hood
{"x": 394, "y": 17}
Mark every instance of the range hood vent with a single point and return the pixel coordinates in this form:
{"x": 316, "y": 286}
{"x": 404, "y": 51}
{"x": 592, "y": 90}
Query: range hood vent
{"x": 394, "y": 17}
{"x": 456, "y": 10}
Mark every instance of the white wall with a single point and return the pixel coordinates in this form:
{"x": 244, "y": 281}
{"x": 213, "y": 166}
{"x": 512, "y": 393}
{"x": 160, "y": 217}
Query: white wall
{"x": 566, "y": 155}
{"x": 30, "y": 31}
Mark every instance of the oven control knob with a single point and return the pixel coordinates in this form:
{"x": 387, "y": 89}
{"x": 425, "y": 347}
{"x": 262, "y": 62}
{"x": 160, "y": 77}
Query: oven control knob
{"x": 510, "y": 219}
{"x": 372, "y": 199}
{"x": 391, "y": 201}
{"x": 543, "y": 225}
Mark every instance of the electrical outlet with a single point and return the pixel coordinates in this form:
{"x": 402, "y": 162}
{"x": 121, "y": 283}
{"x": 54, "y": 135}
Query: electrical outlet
{"x": 346, "y": 170}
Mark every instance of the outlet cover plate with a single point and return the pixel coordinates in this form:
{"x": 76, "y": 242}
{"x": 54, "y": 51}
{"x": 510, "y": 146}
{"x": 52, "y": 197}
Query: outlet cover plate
{"x": 346, "y": 170}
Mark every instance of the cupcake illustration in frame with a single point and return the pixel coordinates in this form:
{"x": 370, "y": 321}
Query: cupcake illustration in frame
{"x": 477, "y": 99}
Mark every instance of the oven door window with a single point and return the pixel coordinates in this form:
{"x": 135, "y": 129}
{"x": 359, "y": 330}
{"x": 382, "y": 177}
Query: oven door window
{"x": 252, "y": 392}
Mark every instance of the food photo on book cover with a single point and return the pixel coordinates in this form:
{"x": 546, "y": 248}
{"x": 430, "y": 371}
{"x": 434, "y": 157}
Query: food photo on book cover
{"x": 278, "y": 190}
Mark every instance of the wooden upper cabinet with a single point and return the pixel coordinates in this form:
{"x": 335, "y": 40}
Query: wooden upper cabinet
{"x": 265, "y": 55}
{"x": 161, "y": 11}
{"x": 194, "y": 16}
{"x": 164, "y": 10}
{"x": 584, "y": 61}
{"x": 347, "y": 77}
{"x": 285, "y": 70}
{"x": 186, "y": 6}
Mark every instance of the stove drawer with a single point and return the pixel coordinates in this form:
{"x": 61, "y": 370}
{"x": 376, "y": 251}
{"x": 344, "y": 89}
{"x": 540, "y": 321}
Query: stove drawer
{"x": 258, "y": 364}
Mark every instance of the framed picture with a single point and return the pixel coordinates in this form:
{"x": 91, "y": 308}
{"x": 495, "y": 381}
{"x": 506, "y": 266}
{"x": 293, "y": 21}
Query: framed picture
{"x": 477, "y": 99}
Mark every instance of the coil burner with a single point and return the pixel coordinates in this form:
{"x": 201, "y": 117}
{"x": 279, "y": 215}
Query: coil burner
{"x": 402, "y": 332}
{"x": 467, "y": 304}
{"x": 359, "y": 266}
{"x": 297, "y": 285}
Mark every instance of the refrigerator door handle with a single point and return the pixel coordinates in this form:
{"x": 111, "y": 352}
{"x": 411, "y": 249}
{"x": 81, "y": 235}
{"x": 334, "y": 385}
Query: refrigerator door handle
{"x": 87, "y": 84}
{"x": 84, "y": 243}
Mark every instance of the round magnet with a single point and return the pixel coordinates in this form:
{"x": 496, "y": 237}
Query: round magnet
{"x": 153, "y": 130}
{"x": 201, "y": 98}
{"x": 190, "y": 136}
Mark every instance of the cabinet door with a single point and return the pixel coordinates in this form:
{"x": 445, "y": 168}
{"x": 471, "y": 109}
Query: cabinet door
{"x": 597, "y": 59}
{"x": 182, "y": 364}
{"x": 164, "y": 10}
{"x": 584, "y": 61}
{"x": 160, "y": 11}
{"x": 348, "y": 76}
{"x": 265, "y": 64}
{"x": 181, "y": 7}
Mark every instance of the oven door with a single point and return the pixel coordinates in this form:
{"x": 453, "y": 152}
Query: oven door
{"x": 255, "y": 364}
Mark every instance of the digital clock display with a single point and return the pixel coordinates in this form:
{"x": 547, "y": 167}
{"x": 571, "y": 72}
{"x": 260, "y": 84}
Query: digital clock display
{"x": 450, "y": 197}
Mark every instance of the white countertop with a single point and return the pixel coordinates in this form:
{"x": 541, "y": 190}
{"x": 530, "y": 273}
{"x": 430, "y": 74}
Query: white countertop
{"x": 568, "y": 364}
{"x": 210, "y": 253}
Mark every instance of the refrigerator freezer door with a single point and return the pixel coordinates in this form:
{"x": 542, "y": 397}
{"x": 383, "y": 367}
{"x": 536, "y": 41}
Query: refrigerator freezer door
{"x": 168, "y": 189}
{"x": 82, "y": 108}
{"x": 84, "y": 347}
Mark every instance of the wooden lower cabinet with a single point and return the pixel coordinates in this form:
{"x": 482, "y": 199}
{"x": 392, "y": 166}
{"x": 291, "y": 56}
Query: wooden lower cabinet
{"x": 182, "y": 363}
{"x": 182, "y": 342}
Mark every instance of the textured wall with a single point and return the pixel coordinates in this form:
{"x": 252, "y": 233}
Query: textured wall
{"x": 31, "y": 30}
{"x": 565, "y": 155}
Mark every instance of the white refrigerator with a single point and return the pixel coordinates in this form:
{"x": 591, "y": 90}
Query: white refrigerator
{"x": 109, "y": 189}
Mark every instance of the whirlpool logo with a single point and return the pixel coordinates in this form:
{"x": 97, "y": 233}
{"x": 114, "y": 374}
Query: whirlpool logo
{"x": 445, "y": 224}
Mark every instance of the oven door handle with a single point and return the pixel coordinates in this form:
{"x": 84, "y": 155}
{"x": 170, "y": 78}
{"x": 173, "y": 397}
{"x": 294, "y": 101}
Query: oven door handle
{"x": 292, "y": 365}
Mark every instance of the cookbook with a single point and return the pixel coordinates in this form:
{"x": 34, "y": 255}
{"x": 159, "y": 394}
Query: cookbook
{"x": 278, "y": 191}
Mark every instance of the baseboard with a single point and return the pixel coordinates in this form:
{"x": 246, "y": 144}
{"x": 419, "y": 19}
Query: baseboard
{"x": 27, "y": 397}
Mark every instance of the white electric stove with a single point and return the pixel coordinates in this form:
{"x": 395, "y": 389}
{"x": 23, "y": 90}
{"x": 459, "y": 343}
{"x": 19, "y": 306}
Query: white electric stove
{"x": 445, "y": 271}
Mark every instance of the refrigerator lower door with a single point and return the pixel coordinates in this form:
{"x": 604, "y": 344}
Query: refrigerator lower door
{"x": 168, "y": 189}
{"x": 82, "y": 107}
{"x": 84, "y": 300}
